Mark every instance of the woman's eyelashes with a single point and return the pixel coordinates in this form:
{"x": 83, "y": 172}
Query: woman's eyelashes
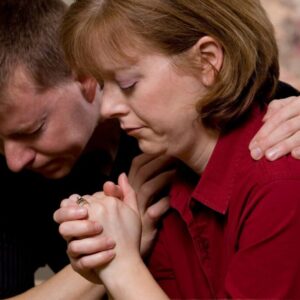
{"x": 127, "y": 85}
{"x": 123, "y": 85}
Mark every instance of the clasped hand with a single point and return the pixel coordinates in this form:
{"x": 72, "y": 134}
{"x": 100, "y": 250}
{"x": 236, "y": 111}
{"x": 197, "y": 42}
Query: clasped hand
{"x": 105, "y": 236}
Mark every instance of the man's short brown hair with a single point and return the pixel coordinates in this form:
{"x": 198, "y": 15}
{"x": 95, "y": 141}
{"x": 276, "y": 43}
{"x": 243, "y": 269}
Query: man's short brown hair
{"x": 29, "y": 38}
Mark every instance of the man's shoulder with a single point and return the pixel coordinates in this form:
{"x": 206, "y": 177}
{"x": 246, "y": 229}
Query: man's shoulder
{"x": 285, "y": 90}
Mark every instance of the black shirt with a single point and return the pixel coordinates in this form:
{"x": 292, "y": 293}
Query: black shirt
{"x": 29, "y": 237}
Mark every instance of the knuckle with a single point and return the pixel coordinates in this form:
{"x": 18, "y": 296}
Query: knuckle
{"x": 296, "y": 152}
{"x": 153, "y": 214}
{"x": 105, "y": 256}
{"x": 62, "y": 229}
{"x": 145, "y": 190}
{"x": 98, "y": 207}
{"x": 263, "y": 135}
{"x": 289, "y": 144}
{"x": 287, "y": 127}
{"x": 112, "y": 203}
{"x": 274, "y": 103}
{"x": 87, "y": 226}
{"x": 97, "y": 195}
{"x": 290, "y": 127}
{"x": 295, "y": 124}
{"x": 294, "y": 140}
{"x": 64, "y": 202}
{"x": 72, "y": 249}
{"x": 137, "y": 161}
{"x": 108, "y": 243}
{"x": 142, "y": 172}
{"x": 84, "y": 263}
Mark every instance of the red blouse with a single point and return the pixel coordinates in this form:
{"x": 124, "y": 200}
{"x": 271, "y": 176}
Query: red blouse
{"x": 234, "y": 232}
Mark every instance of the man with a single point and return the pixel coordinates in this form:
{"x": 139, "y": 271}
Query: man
{"x": 50, "y": 126}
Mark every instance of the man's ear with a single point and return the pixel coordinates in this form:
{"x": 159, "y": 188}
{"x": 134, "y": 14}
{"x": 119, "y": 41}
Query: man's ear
{"x": 209, "y": 56}
{"x": 88, "y": 87}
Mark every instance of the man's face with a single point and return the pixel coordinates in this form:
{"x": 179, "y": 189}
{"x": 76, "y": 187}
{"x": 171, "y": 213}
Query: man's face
{"x": 47, "y": 131}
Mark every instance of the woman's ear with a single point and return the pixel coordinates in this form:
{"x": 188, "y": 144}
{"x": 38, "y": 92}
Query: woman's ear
{"x": 209, "y": 56}
{"x": 88, "y": 86}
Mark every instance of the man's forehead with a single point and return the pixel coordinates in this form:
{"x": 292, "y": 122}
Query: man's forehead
{"x": 20, "y": 105}
{"x": 18, "y": 86}
{"x": 21, "y": 81}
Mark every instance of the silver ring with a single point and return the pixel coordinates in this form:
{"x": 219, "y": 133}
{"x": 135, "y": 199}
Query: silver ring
{"x": 81, "y": 201}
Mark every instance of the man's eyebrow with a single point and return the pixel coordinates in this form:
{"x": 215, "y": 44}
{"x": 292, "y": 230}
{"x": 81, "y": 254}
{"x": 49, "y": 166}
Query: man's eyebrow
{"x": 18, "y": 132}
{"x": 26, "y": 129}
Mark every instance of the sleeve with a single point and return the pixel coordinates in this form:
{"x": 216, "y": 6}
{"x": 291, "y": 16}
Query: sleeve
{"x": 267, "y": 259}
{"x": 16, "y": 274}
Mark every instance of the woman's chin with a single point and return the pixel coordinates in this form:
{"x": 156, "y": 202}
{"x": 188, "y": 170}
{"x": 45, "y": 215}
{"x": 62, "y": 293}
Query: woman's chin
{"x": 151, "y": 148}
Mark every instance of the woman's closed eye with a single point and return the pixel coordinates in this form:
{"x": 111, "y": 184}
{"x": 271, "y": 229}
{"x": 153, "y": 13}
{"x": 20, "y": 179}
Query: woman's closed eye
{"x": 127, "y": 85}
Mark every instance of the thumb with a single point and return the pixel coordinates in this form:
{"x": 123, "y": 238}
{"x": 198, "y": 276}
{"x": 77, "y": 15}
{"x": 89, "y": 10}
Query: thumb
{"x": 113, "y": 190}
{"x": 128, "y": 192}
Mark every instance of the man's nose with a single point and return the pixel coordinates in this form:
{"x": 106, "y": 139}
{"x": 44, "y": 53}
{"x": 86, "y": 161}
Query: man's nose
{"x": 17, "y": 155}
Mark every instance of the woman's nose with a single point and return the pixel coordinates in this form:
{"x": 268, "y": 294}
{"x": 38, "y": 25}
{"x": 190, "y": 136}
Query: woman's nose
{"x": 113, "y": 106}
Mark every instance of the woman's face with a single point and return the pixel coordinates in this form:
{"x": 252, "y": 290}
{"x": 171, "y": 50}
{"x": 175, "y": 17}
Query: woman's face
{"x": 154, "y": 101}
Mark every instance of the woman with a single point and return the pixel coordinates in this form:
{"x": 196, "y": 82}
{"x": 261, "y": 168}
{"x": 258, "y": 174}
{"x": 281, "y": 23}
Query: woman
{"x": 188, "y": 78}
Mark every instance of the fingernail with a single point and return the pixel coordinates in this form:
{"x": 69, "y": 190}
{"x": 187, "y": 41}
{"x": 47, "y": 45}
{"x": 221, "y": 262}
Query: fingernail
{"x": 256, "y": 153}
{"x": 272, "y": 154}
{"x": 98, "y": 226}
{"x": 296, "y": 153}
{"x": 110, "y": 243}
{"x": 253, "y": 144}
{"x": 110, "y": 254}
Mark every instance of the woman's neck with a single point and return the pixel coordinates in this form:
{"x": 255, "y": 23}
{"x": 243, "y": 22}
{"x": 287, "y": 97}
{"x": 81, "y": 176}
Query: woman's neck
{"x": 198, "y": 151}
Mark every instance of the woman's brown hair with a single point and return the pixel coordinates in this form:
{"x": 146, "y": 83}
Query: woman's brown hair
{"x": 107, "y": 28}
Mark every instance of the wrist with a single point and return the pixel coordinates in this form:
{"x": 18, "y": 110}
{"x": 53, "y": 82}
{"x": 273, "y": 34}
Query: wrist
{"x": 132, "y": 281}
{"x": 118, "y": 272}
